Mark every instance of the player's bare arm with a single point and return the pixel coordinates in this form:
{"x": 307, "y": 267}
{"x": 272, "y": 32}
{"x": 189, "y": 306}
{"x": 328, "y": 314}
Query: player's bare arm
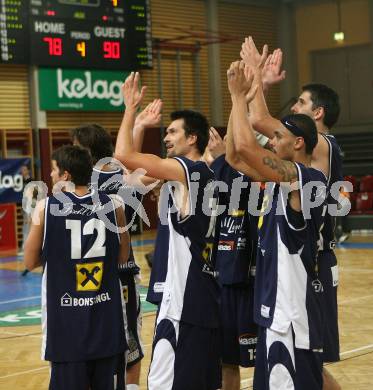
{"x": 34, "y": 242}
{"x": 265, "y": 162}
{"x": 234, "y": 159}
{"x": 260, "y": 118}
{"x": 168, "y": 169}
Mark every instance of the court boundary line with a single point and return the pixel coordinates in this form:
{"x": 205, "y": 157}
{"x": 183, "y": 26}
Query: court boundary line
{"x": 23, "y": 372}
{"x": 20, "y": 300}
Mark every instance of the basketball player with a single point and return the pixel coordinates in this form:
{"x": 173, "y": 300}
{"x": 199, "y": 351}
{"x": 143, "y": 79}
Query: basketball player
{"x": 321, "y": 104}
{"x": 185, "y": 346}
{"x": 235, "y": 264}
{"x": 82, "y": 315}
{"x": 287, "y": 289}
{"x": 108, "y": 178}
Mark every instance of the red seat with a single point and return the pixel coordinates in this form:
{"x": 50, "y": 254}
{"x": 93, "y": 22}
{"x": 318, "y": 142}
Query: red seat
{"x": 364, "y": 201}
{"x": 366, "y": 184}
{"x": 353, "y": 181}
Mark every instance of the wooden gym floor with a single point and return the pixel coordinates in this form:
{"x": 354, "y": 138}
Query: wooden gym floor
{"x": 20, "y": 331}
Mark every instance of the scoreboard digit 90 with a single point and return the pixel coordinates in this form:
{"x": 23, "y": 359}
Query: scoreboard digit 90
{"x": 105, "y": 34}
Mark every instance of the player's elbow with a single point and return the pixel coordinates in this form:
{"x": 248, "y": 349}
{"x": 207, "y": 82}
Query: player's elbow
{"x": 232, "y": 159}
{"x": 31, "y": 259}
{"x": 125, "y": 158}
{"x": 242, "y": 148}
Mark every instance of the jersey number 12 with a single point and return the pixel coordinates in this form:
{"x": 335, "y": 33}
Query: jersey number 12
{"x": 98, "y": 248}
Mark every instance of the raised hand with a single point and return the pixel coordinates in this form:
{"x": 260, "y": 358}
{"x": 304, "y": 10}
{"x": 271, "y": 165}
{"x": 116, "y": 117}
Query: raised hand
{"x": 151, "y": 115}
{"x": 216, "y": 145}
{"x": 131, "y": 93}
{"x": 240, "y": 80}
{"x": 271, "y": 72}
{"x": 251, "y": 56}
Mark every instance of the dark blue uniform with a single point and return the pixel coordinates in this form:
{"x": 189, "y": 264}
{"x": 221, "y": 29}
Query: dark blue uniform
{"x": 159, "y": 267}
{"x": 235, "y": 264}
{"x": 287, "y": 289}
{"x": 328, "y": 268}
{"x": 82, "y": 312}
{"x": 160, "y": 258}
{"x": 111, "y": 183}
{"x": 186, "y": 344}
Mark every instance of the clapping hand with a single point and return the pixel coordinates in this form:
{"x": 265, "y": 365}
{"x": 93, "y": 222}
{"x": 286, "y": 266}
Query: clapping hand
{"x": 131, "y": 93}
{"x": 251, "y": 56}
{"x": 151, "y": 116}
{"x": 272, "y": 73}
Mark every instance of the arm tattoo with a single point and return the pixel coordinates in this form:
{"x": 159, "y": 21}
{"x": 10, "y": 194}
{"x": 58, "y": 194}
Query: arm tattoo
{"x": 286, "y": 169}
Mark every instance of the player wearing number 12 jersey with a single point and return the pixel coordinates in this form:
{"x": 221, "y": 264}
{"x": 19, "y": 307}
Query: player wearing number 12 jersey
{"x": 82, "y": 315}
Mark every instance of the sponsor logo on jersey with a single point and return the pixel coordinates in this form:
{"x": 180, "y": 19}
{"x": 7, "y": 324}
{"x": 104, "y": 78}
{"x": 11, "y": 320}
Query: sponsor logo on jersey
{"x": 226, "y": 246}
{"x": 158, "y": 287}
{"x": 316, "y": 284}
{"x": 130, "y": 264}
{"x": 89, "y": 276}
{"x": 231, "y": 225}
{"x": 207, "y": 252}
{"x": 264, "y": 311}
{"x": 247, "y": 339}
{"x": 241, "y": 243}
{"x": 68, "y": 301}
{"x": 209, "y": 270}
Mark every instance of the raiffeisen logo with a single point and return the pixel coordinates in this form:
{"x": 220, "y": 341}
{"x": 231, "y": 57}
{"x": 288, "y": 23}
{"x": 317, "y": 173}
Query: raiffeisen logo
{"x": 11, "y": 181}
{"x": 78, "y": 88}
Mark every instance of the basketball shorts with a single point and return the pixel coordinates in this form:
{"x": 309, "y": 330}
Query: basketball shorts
{"x": 279, "y": 365}
{"x": 131, "y": 296}
{"x": 238, "y": 330}
{"x": 328, "y": 275}
{"x": 99, "y": 374}
{"x": 184, "y": 357}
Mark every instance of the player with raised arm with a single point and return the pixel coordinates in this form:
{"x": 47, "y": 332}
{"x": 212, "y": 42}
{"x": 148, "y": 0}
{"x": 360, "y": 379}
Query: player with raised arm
{"x": 235, "y": 264}
{"x": 82, "y": 315}
{"x": 287, "y": 289}
{"x": 186, "y": 341}
{"x": 321, "y": 104}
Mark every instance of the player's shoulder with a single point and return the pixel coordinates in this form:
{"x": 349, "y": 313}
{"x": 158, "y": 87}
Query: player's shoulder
{"x": 194, "y": 166}
{"x": 307, "y": 174}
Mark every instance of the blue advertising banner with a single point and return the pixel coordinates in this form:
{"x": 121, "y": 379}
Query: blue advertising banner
{"x": 11, "y": 179}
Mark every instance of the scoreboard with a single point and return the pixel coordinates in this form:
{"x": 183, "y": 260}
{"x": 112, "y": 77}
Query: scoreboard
{"x": 104, "y": 34}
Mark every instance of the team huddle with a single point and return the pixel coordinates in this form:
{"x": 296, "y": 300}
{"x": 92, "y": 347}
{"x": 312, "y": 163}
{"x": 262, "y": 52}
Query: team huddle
{"x": 244, "y": 273}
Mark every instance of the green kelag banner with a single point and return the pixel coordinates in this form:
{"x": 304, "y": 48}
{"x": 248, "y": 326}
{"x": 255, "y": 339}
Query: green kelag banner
{"x": 79, "y": 89}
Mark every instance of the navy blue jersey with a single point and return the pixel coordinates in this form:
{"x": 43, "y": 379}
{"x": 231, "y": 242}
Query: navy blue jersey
{"x": 237, "y": 234}
{"x": 82, "y": 305}
{"x": 110, "y": 182}
{"x": 159, "y": 266}
{"x": 191, "y": 291}
{"x": 287, "y": 289}
{"x": 327, "y": 237}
